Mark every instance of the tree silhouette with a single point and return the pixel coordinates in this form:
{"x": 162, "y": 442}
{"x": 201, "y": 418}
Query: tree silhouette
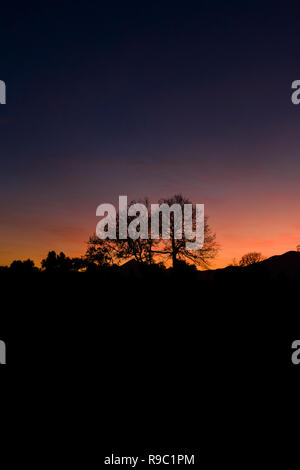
{"x": 149, "y": 250}
{"x": 99, "y": 252}
{"x": 102, "y": 252}
{"x": 251, "y": 258}
{"x": 57, "y": 263}
{"x": 23, "y": 267}
{"x": 176, "y": 250}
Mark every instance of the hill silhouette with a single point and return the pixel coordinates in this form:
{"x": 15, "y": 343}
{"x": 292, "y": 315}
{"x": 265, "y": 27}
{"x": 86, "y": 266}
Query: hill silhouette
{"x": 287, "y": 265}
{"x": 278, "y": 267}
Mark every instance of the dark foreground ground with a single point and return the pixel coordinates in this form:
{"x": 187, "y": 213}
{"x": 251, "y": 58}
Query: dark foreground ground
{"x": 133, "y": 366}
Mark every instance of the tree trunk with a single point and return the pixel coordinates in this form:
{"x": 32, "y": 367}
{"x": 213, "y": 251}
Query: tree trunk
{"x": 174, "y": 253}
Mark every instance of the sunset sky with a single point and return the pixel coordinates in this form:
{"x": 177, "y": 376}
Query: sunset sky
{"x": 149, "y": 99}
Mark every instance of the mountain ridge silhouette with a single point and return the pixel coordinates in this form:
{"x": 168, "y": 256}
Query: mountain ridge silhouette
{"x": 277, "y": 267}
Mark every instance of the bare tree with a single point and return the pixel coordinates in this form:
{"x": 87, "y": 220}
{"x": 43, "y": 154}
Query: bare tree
{"x": 113, "y": 251}
{"x": 234, "y": 262}
{"x": 251, "y": 258}
{"x": 150, "y": 250}
{"x": 99, "y": 252}
{"x": 175, "y": 248}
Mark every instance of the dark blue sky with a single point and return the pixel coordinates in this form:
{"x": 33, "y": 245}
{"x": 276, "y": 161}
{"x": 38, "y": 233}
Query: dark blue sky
{"x": 147, "y": 98}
